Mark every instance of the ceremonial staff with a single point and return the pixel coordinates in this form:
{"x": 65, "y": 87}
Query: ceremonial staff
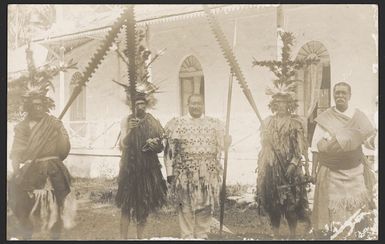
{"x": 230, "y": 59}
{"x": 131, "y": 50}
{"x": 229, "y": 94}
{"x": 99, "y": 56}
{"x": 237, "y": 72}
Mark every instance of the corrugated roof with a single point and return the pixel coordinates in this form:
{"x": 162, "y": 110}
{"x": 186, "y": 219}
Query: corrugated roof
{"x": 147, "y": 14}
{"x": 97, "y": 26}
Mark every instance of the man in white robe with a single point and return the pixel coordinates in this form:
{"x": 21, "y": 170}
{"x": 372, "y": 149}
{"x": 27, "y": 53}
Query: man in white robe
{"x": 343, "y": 180}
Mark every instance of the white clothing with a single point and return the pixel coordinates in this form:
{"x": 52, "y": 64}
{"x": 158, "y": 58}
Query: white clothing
{"x": 320, "y": 132}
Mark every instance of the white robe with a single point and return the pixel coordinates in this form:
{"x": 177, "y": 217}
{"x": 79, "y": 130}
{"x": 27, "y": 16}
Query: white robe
{"x": 339, "y": 193}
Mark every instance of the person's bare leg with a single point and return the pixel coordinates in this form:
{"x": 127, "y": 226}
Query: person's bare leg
{"x": 275, "y": 220}
{"x": 203, "y": 219}
{"x": 292, "y": 221}
{"x": 186, "y": 221}
{"x": 275, "y": 232}
{"x": 307, "y": 225}
{"x": 140, "y": 229}
{"x": 292, "y": 233}
{"x": 56, "y": 230}
{"x": 124, "y": 223}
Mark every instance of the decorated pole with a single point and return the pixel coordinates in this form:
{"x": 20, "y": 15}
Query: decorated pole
{"x": 96, "y": 60}
{"x": 237, "y": 72}
{"x": 229, "y": 94}
{"x": 231, "y": 60}
{"x": 131, "y": 50}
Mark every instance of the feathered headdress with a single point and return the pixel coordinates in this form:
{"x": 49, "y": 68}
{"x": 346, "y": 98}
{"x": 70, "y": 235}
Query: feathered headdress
{"x": 144, "y": 88}
{"x": 283, "y": 90}
{"x": 39, "y": 89}
{"x": 285, "y": 86}
{"x": 33, "y": 83}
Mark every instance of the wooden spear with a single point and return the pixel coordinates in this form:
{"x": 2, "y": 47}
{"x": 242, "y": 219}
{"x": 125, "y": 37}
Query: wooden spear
{"x": 229, "y": 94}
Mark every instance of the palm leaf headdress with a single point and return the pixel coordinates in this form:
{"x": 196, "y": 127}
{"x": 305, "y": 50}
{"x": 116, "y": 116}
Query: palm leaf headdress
{"x": 285, "y": 84}
{"x": 144, "y": 88}
{"x": 35, "y": 82}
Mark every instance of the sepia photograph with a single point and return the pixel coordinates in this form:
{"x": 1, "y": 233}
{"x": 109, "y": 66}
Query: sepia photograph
{"x": 192, "y": 122}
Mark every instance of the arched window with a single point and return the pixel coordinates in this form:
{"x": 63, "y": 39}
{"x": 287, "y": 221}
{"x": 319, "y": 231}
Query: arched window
{"x": 314, "y": 90}
{"x": 191, "y": 81}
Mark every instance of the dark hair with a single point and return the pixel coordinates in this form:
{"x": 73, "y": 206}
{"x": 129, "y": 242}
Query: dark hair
{"x": 343, "y": 84}
{"x": 194, "y": 95}
{"x": 47, "y": 103}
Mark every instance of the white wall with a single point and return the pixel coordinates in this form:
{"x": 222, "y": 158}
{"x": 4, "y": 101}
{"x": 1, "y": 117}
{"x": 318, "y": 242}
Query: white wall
{"x": 346, "y": 32}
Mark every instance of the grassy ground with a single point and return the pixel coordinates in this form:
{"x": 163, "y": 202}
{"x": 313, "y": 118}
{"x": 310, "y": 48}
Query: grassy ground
{"x": 98, "y": 218}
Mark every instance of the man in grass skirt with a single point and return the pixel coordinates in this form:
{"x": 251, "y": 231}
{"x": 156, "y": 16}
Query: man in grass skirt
{"x": 279, "y": 162}
{"x": 141, "y": 188}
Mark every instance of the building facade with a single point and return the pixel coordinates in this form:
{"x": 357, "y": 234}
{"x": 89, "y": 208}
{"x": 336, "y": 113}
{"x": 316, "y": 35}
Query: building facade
{"x": 343, "y": 37}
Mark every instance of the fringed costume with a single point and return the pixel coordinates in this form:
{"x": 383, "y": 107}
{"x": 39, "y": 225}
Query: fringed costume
{"x": 38, "y": 191}
{"x": 283, "y": 142}
{"x": 142, "y": 188}
{"x": 281, "y": 184}
{"x": 344, "y": 181}
{"x": 192, "y": 155}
